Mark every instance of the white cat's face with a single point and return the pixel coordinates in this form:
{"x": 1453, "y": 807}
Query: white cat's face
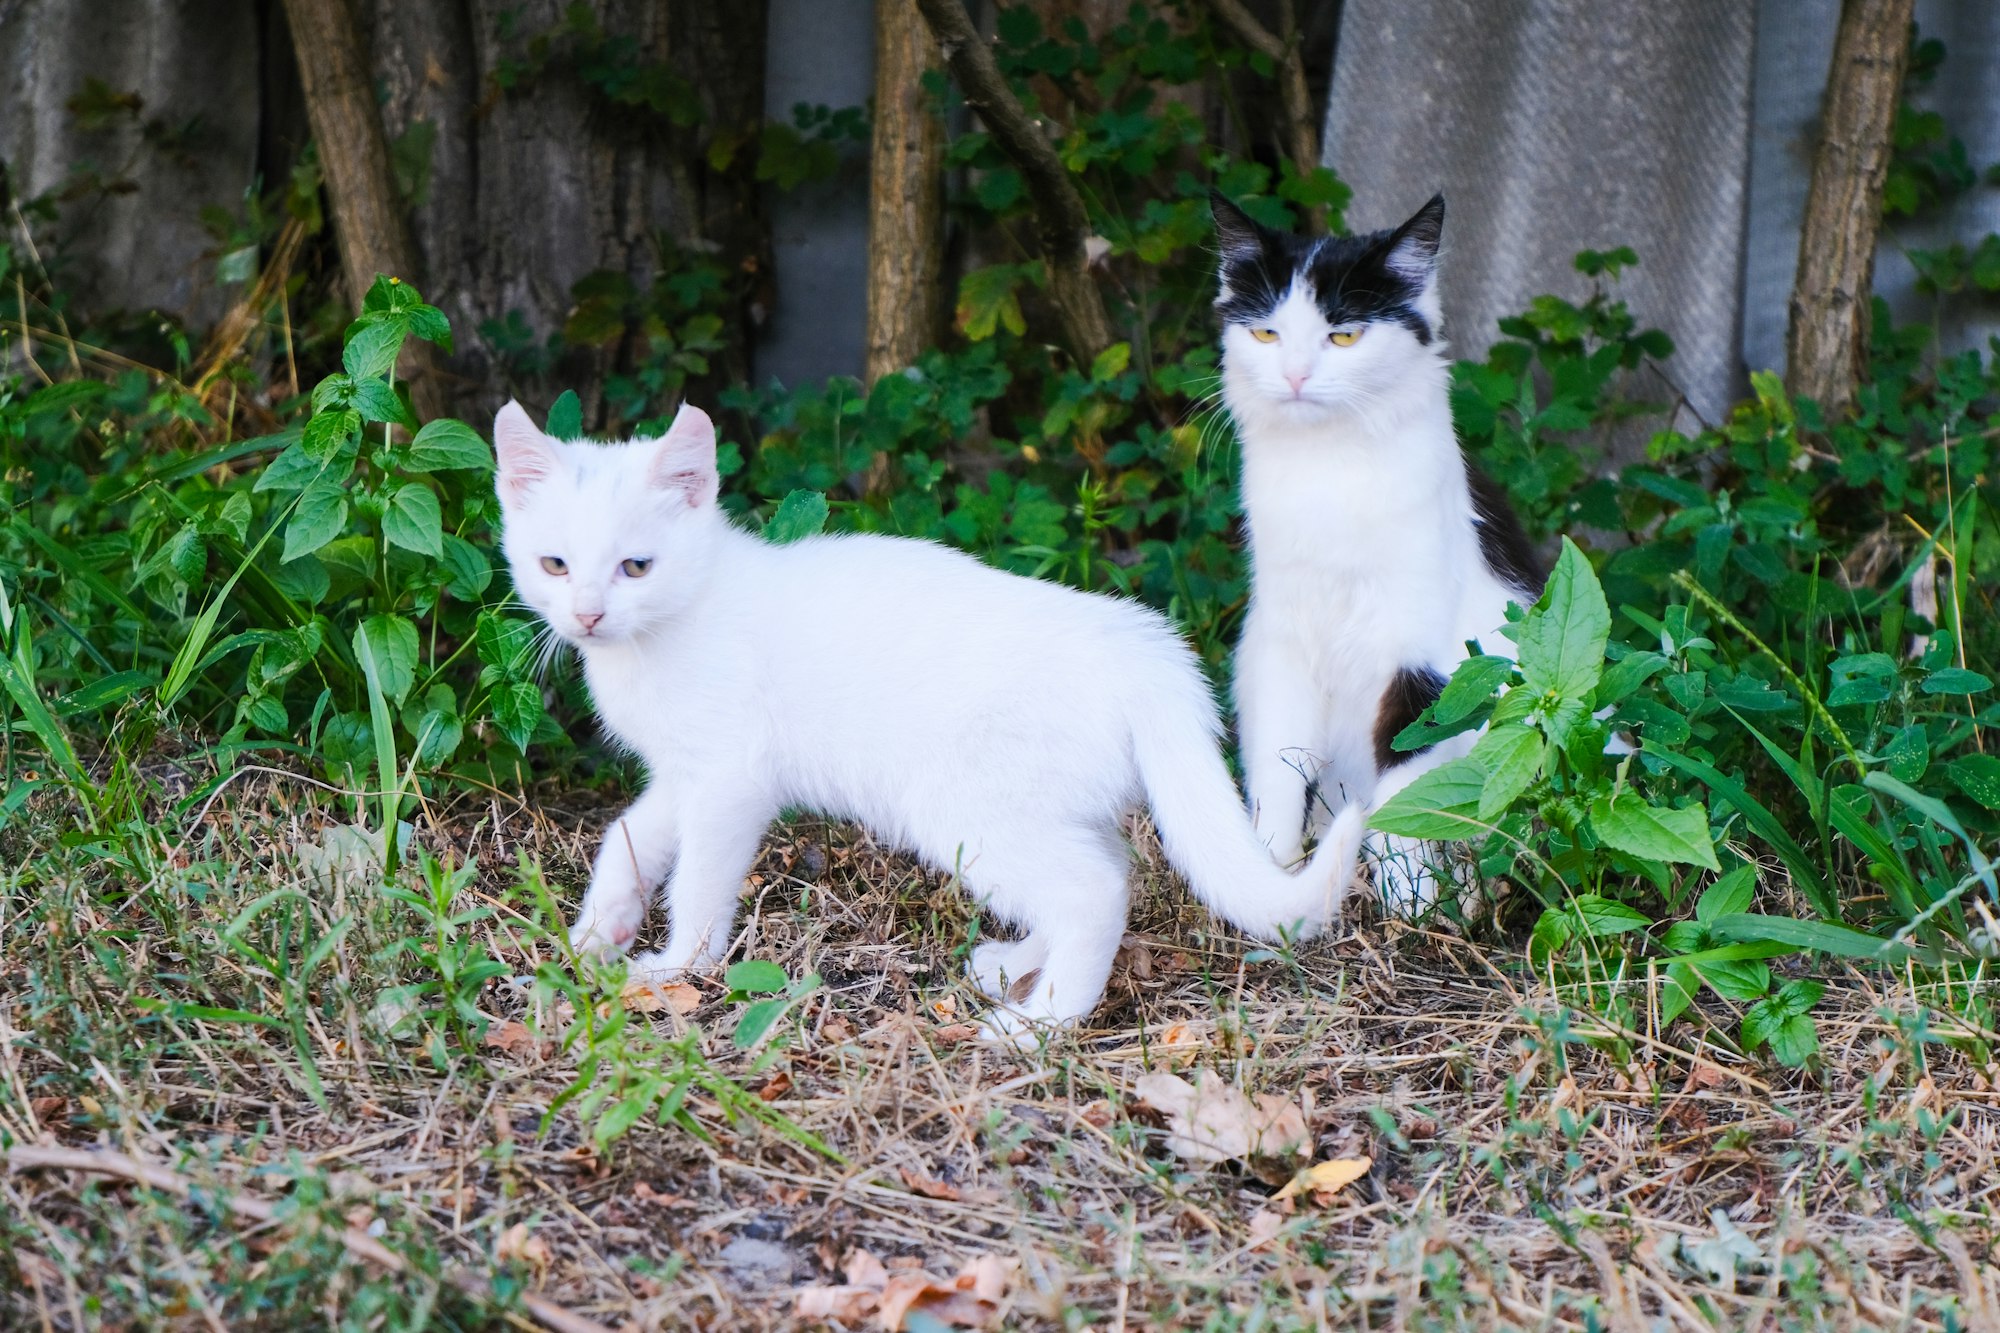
{"x": 607, "y": 541}
{"x": 1313, "y": 327}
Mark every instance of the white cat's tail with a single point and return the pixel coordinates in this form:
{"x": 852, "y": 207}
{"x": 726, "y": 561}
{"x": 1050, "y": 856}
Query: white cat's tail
{"x": 1208, "y": 835}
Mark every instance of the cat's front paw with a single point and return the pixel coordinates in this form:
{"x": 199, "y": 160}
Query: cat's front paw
{"x": 603, "y": 930}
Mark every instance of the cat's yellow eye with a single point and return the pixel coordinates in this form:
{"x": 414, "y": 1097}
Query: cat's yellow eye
{"x": 1343, "y": 337}
{"x": 1264, "y": 335}
{"x": 636, "y": 568}
{"x": 554, "y": 564}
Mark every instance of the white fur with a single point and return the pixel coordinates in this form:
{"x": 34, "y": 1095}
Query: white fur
{"x": 993, "y": 725}
{"x": 1365, "y": 560}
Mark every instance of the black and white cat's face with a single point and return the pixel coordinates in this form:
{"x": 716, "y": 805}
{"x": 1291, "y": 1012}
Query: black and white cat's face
{"x": 1312, "y": 326}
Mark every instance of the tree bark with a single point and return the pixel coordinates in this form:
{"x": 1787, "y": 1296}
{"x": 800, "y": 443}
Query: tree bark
{"x": 368, "y": 222}
{"x": 1061, "y": 224}
{"x": 1827, "y": 343}
{"x": 905, "y": 195}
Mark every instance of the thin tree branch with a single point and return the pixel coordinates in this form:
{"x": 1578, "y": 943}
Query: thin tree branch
{"x": 357, "y": 1243}
{"x": 1061, "y": 223}
{"x": 1282, "y": 49}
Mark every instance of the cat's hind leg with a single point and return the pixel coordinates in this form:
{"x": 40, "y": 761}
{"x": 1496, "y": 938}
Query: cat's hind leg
{"x": 996, "y": 966}
{"x": 1070, "y": 896}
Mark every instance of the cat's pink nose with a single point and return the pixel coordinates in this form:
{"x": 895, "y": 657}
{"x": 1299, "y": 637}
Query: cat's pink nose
{"x": 1297, "y": 382}
{"x": 589, "y": 619}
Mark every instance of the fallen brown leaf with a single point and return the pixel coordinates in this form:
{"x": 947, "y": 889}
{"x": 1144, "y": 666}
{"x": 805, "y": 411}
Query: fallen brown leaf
{"x": 928, "y": 1186}
{"x": 650, "y": 997}
{"x": 1209, "y": 1120}
{"x": 1264, "y": 1226}
{"x": 970, "y": 1300}
{"x": 514, "y": 1038}
{"x": 956, "y": 1034}
{"x": 518, "y": 1245}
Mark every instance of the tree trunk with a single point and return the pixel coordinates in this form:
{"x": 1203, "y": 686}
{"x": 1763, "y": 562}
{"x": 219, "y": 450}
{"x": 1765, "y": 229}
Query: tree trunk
{"x": 1827, "y": 345}
{"x": 1061, "y": 224}
{"x": 368, "y": 222}
{"x": 905, "y": 194}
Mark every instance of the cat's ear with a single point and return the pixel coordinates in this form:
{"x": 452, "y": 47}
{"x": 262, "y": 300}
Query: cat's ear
{"x": 1412, "y": 249}
{"x": 1239, "y": 236}
{"x": 684, "y": 459}
{"x": 526, "y": 457}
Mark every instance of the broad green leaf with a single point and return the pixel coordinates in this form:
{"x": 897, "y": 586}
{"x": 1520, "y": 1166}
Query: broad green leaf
{"x": 1731, "y": 893}
{"x": 1471, "y": 685}
{"x": 445, "y": 444}
{"x": 800, "y": 514}
{"x": 1111, "y": 362}
{"x": 1678, "y": 984}
{"x": 376, "y": 401}
{"x": 1562, "y": 639}
{"x": 1794, "y": 1041}
{"x": 1652, "y": 832}
{"x": 1442, "y": 804}
{"x": 503, "y": 643}
{"x": 1742, "y": 980}
{"x": 1513, "y": 759}
{"x": 327, "y": 432}
{"x": 1627, "y": 674}
{"x": 1978, "y": 776}
{"x": 294, "y": 470}
{"x": 755, "y": 976}
{"x": 517, "y": 709}
{"x": 393, "y": 642}
{"x": 1955, "y": 680}
{"x": 1805, "y": 871}
{"x": 372, "y": 345}
{"x": 320, "y": 517}
{"x": 436, "y": 725}
{"x": 413, "y": 521}
{"x": 1908, "y": 753}
{"x": 1599, "y": 916}
{"x": 566, "y": 416}
{"x": 469, "y": 570}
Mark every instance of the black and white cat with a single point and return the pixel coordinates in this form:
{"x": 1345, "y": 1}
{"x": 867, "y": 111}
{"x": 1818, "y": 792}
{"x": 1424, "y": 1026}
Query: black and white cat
{"x": 1377, "y": 550}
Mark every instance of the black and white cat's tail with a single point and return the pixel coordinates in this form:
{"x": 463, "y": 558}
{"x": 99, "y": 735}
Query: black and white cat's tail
{"x": 1208, "y": 836}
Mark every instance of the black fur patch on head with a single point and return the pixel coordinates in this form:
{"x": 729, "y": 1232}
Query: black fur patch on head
{"x": 1410, "y": 692}
{"x": 1372, "y": 279}
{"x": 1503, "y": 542}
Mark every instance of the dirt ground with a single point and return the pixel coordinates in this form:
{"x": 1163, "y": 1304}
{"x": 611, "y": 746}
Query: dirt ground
{"x": 1517, "y": 1163}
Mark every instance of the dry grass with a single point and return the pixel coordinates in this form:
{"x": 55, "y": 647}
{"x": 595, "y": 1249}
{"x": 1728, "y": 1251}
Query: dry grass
{"x": 1531, "y": 1169}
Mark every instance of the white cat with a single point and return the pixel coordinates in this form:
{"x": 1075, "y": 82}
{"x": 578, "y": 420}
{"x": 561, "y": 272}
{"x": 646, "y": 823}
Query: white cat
{"x": 1377, "y": 550}
{"x": 991, "y": 724}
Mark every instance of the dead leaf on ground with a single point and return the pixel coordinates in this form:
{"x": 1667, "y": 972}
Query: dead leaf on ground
{"x": 928, "y": 1186}
{"x": 1326, "y": 1179}
{"x": 650, "y": 997}
{"x": 970, "y": 1300}
{"x": 518, "y": 1245}
{"x": 1209, "y": 1120}
{"x": 514, "y": 1038}
{"x": 1264, "y": 1227}
{"x": 956, "y": 1034}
